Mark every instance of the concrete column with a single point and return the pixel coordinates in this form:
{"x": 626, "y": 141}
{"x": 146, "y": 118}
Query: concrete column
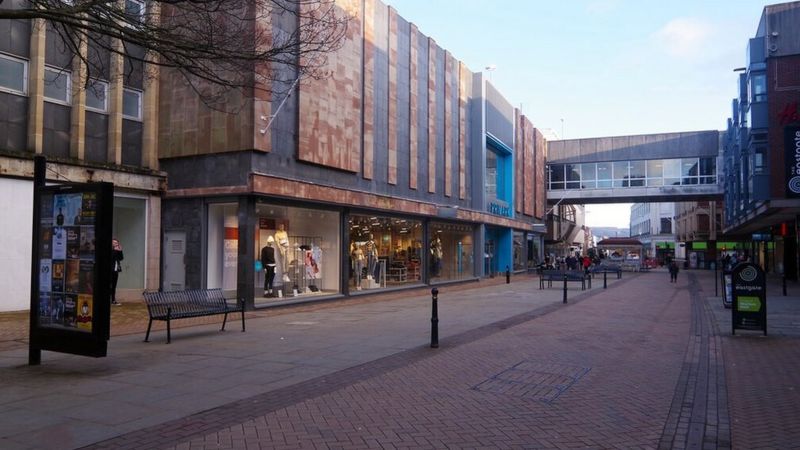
{"x": 36, "y": 86}
{"x": 116, "y": 77}
{"x": 152, "y": 74}
{"x": 77, "y": 144}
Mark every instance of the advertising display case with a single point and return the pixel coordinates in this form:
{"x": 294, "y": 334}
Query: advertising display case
{"x": 72, "y": 248}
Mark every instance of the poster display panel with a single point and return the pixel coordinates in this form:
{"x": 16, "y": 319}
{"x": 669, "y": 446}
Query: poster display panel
{"x": 70, "y": 307}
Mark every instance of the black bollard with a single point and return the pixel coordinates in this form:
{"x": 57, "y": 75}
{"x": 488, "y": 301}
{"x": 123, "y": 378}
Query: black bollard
{"x": 784, "y": 285}
{"x": 434, "y": 318}
{"x": 565, "y": 289}
{"x": 605, "y": 284}
{"x": 715, "y": 280}
{"x": 508, "y": 275}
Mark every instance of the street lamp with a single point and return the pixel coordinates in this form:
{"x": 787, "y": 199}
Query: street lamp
{"x": 490, "y": 68}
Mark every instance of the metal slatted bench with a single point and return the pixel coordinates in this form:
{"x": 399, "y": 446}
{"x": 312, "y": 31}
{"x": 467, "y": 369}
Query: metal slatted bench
{"x": 608, "y": 268}
{"x": 184, "y": 304}
{"x": 577, "y": 276}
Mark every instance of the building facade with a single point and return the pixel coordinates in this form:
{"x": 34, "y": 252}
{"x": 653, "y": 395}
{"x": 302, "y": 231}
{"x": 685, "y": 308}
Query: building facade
{"x": 653, "y": 224}
{"x": 402, "y": 168}
{"x": 106, "y": 132}
{"x": 762, "y": 143}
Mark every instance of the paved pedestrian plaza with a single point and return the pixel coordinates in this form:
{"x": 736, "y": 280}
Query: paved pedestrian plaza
{"x": 644, "y": 363}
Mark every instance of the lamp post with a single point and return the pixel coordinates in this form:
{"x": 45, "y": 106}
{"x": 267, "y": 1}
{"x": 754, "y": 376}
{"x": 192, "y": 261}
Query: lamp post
{"x": 490, "y": 68}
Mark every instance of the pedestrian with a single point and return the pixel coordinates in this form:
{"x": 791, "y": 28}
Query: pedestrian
{"x": 673, "y": 272}
{"x": 587, "y": 262}
{"x": 116, "y": 259}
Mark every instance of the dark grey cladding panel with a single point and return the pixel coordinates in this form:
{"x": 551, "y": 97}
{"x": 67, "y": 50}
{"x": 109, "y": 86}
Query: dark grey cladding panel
{"x": 15, "y": 37}
{"x": 499, "y": 116}
{"x": 380, "y": 157}
{"x": 56, "y": 52}
{"x": 422, "y": 113}
{"x": 131, "y": 142}
{"x": 13, "y": 122}
{"x": 649, "y": 146}
{"x": 403, "y": 99}
{"x": 96, "y": 142}
{"x": 55, "y": 140}
{"x": 783, "y": 29}
{"x": 440, "y": 97}
{"x": 215, "y": 170}
{"x": 187, "y": 215}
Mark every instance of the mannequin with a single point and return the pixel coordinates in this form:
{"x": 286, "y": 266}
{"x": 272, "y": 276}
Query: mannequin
{"x": 436, "y": 256}
{"x": 371, "y": 253}
{"x": 357, "y": 255}
{"x": 268, "y": 261}
{"x": 282, "y": 238}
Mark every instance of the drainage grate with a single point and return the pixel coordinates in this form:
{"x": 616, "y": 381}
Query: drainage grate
{"x": 533, "y": 380}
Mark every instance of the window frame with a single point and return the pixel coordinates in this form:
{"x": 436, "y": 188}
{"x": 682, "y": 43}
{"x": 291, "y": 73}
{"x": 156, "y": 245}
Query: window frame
{"x": 25, "y": 69}
{"x": 68, "y": 87}
{"x": 106, "y": 85}
{"x": 139, "y": 106}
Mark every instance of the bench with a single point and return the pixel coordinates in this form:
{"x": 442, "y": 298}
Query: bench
{"x": 610, "y": 268}
{"x": 171, "y": 305}
{"x": 577, "y": 276}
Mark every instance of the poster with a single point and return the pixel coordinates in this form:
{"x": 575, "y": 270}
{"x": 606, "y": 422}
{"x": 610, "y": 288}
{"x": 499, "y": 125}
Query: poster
{"x": 72, "y": 227}
{"x": 67, "y": 251}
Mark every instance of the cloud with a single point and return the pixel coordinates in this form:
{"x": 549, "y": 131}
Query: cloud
{"x": 685, "y": 37}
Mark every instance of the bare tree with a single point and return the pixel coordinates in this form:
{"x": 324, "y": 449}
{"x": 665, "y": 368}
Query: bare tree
{"x": 216, "y": 45}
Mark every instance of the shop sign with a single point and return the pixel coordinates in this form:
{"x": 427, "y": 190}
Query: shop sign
{"x": 500, "y": 209}
{"x": 789, "y": 114}
{"x": 72, "y": 237}
{"x": 749, "y": 309}
{"x": 792, "y": 160}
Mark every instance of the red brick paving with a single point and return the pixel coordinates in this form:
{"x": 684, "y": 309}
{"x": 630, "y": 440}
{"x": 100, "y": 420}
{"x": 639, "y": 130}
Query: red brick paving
{"x": 633, "y": 345}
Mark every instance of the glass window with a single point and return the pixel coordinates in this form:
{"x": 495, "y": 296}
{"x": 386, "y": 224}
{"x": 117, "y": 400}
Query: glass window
{"x": 573, "y": 176}
{"x": 556, "y": 176}
{"x": 13, "y": 75}
{"x": 491, "y": 174}
{"x": 588, "y": 176}
{"x": 655, "y": 172}
{"x": 134, "y": 9}
{"x": 451, "y": 252}
{"x": 384, "y": 252}
{"x": 96, "y": 95}
{"x": 57, "y": 85}
{"x": 672, "y": 172}
{"x": 604, "y": 175}
{"x": 689, "y": 170}
{"x": 130, "y": 227}
{"x": 132, "y": 104}
{"x": 758, "y": 88}
{"x": 759, "y": 164}
{"x": 708, "y": 170}
{"x": 304, "y": 247}
{"x": 621, "y": 174}
{"x": 637, "y": 173}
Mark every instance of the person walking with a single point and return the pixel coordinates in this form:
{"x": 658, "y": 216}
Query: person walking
{"x": 116, "y": 259}
{"x": 673, "y": 272}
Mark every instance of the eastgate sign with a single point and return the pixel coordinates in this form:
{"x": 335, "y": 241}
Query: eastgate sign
{"x": 792, "y": 160}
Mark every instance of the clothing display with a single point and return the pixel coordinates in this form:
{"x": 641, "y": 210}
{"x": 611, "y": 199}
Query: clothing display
{"x": 268, "y": 262}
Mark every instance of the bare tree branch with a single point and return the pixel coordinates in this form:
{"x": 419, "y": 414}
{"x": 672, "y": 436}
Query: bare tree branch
{"x": 216, "y": 45}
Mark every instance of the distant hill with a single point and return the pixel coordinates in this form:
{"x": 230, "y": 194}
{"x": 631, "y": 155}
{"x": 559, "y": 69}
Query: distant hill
{"x": 606, "y": 232}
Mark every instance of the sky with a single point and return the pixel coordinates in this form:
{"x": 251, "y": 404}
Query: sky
{"x": 597, "y": 68}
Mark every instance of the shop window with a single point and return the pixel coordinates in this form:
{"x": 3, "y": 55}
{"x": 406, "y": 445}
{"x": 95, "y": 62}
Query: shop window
{"x": 498, "y": 170}
{"x": 13, "y": 75}
{"x": 384, "y": 252}
{"x": 451, "y": 252}
{"x": 298, "y": 252}
{"x": 519, "y": 251}
{"x": 57, "y": 85}
{"x": 491, "y": 174}
{"x": 130, "y": 228}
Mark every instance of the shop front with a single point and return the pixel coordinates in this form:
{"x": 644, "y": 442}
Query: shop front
{"x": 452, "y": 252}
{"x": 384, "y": 252}
{"x": 498, "y": 250}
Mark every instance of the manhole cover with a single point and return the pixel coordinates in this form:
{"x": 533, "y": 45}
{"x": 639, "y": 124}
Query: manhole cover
{"x": 534, "y": 380}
